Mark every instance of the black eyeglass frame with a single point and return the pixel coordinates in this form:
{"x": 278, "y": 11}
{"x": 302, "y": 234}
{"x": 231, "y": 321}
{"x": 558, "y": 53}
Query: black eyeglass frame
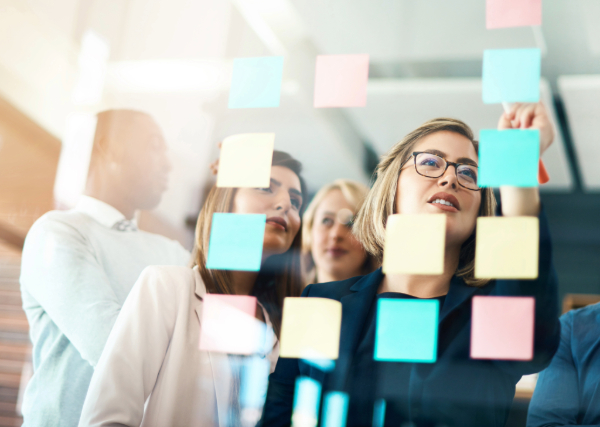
{"x": 448, "y": 164}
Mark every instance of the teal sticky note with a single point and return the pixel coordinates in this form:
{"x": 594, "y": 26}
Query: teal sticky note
{"x": 379, "y": 413}
{"x": 511, "y": 75}
{"x": 407, "y": 330}
{"x": 335, "y": 409}
{"x": 236, "y": 241}
{"x": 509, "y": 157}
{"x": 254, "y": 382}
{"x": 256, "y": 82}
{"x": 307, "y": 397}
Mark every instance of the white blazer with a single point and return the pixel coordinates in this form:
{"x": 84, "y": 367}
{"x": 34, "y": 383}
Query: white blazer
{"x": 151, "y": 372}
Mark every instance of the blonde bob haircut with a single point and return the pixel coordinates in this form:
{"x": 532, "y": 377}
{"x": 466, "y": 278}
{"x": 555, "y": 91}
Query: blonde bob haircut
{"x": 354, "y": 193}
{"x": 369, "y": 227}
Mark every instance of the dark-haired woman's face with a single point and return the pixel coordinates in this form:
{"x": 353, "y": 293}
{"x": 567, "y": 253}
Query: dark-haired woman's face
{"x": 417, "y": 194}
{"x": 281, "y": 202}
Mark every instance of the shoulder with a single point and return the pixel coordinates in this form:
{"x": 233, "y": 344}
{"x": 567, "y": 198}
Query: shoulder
{"x": 583, "y": 319}
{"x": 61, "y": 221}
{"x": 333, "y": 290}
{"x": 166, "y": 280}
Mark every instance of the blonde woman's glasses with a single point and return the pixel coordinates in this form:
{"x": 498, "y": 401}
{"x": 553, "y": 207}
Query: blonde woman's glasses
{"x": 432, "y": 166}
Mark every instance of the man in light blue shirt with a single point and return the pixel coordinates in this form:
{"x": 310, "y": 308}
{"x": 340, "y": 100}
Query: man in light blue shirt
{"x": 78, "y": 266}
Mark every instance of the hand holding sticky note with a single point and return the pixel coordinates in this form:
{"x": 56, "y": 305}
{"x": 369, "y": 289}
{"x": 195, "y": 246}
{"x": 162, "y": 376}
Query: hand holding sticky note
{"x": 507, "y": 247}
{"x": 414, "y": 244}
{"x": 311, "y": 326}
{"x": 509, "y": 157}
{"x": 341, "y": 81}
{"x": 256, "y": 82}
{"x": 246, "y": 160}
{"x": 511, "y": 75}
{"x": 236, "y": 241}
{"x": 502, "y": 328}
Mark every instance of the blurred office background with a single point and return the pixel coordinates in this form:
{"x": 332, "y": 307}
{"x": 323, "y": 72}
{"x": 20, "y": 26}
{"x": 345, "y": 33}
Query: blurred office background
{"x": 63, "y": 60}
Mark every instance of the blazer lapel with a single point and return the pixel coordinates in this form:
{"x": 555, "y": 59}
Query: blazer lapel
{"x": 458, "y": 293}
{"x": 355, "y": 308}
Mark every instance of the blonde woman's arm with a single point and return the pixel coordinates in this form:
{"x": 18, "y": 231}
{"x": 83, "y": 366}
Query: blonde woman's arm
{"x": 130, "y": 363}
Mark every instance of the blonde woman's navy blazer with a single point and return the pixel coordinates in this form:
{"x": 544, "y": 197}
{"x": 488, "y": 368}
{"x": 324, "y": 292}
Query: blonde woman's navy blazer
{"x": 455, "y": 390}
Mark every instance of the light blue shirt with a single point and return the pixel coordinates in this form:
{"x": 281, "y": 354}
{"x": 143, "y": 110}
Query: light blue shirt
{"x": 76, "y": 273}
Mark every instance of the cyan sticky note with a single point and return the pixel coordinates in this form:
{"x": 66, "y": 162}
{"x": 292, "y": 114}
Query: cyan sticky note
{"x": 254, "y": 382}
{"x": 511, "y": 75}
{"x": 307, "y": 397}
{"x": 335, "y": 409}
{"x": 509, "y": 157}
{"x": 379, "y": 413}
{"x": 256, "y": 82}
{"x": 236, "y": 241}
{"x": 407, "y": 330}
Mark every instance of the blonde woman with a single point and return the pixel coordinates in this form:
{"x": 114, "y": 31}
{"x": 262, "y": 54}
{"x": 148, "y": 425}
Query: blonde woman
{"x": 329, "y": 250}
{"x": 432, "y": 170}
{"x": 152, "y": 372}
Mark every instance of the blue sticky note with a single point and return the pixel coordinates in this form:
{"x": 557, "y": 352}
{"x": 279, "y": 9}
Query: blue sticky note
{"x": 254, "y": 382}
{"x": 256, "y": 82}
{"x": 406, "y": 330}
{"x": 307, "y": 396}
{"x": 511, "y": 75}
{"x": 379, "y": 413}
{"x": 236, "y": 241}
{"x": 335, "y": 409}
{"x": 324, "y": 365}
{"x": 509, "y": 157}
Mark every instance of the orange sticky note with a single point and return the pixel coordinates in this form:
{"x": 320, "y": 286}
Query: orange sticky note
{"x": 507, "y": 247}
{"x": 513, "y": 13}
{"x": 311, "y": 326}
{"x": 228, "y": 324}
{"x": 502, "y": 328}
{"x": 341, "y": 81}
{"x": 414, "y": 244}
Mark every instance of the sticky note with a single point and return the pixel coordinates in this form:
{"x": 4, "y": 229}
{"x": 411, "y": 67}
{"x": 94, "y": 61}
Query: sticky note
{"x": 341, "y": 81}
{"x": 335, "y": 409}
{"x": 246, "y": 160}
{"x": 379, "y": 413}
{"x": 307, "y": 397}
{"x": 513, "y": 13}
{"x": 509, "y": 157}
{"x": 256, "y": 82}
{"x": 310, "y": 326}
{"x": 507, "y": 247}
{"x": 511, "y": 75}
{"x": 228, "y": 324}
{"x": 407, "y": 330}
{"x": 414, "y": 244}
{"x": 502, "y": 328}
{"x": 254, "y": 382}
{"x": 236, "y": 241}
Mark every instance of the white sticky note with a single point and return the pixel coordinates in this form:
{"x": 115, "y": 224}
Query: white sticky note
{"x": 414, "y": 244}
{"x": 246, "y": 160}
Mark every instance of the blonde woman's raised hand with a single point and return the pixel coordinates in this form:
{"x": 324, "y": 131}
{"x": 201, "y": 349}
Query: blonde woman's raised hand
{"x": 214, "y": 166}
{"x": 529, "y": 116}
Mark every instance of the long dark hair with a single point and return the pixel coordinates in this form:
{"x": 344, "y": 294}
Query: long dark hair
{"x": 280, "y": 276}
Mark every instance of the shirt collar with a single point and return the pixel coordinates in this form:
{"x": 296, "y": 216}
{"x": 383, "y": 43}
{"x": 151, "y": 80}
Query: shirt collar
{"x": 100, "y": 211}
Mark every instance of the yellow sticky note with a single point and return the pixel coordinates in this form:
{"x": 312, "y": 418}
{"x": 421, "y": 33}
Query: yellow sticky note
{"x": 507, "y": 248}
{"x": 246, "y": 160}
{"x": 311, "y": 328}
{"x": 414, "y": 244}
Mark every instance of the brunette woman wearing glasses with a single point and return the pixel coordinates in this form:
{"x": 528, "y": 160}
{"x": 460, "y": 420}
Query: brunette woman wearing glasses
{"x": 432, "y": 170}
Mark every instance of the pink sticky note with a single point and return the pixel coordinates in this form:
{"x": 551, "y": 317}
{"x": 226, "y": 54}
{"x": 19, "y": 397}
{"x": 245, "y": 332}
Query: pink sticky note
{"x": 228, "y": 324}
{"x": 341, "y": 81}
{"x": 502, "y": 328}
{"x": 513, "y": 13}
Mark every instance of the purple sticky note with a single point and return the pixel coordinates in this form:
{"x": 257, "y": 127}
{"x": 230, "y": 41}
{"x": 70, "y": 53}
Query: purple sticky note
{"x": 341, "y": 80}
{"x": 502, "y": 328}
{"x": 513, "y": 13}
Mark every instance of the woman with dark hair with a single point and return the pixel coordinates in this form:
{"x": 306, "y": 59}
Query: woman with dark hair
{"x": 152, "y": 372}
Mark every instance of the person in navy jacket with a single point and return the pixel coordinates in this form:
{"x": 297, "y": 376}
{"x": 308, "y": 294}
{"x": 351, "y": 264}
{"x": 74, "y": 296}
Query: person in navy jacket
{"x": 568, "y": 391}
{"x": 432, "y": 170}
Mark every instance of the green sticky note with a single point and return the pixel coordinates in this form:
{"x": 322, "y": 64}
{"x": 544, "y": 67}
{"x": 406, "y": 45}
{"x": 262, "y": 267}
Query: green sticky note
{"x": 236, "y": 241}
{"x": 407, "y": 330}
{"x": 509, "y": 157}
{"x": 256, "y": 82}
{"x": 511, "y": 75}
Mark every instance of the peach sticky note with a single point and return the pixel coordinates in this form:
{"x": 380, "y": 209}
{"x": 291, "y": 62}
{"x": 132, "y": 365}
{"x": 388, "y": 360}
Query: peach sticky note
{"x": 507, "y": 247}
{"x": 310, "y": 326}
{"x": 246, "y": 160}
{"x": 513, "y": 13}
{"x": 502, "y": 328}
{"x": 341, "y": 80}
{"x": 414, "y": 244}
{"x": 228, "y": 324}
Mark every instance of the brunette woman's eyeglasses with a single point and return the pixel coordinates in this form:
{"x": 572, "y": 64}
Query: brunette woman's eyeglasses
{"x": 433, "y": 166}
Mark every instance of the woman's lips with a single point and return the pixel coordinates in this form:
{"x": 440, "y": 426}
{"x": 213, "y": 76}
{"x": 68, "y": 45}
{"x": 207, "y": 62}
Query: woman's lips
{"x": 444, "y": 207}
{"x": 337, "y": 252}
{"x": 277, "y": 222}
